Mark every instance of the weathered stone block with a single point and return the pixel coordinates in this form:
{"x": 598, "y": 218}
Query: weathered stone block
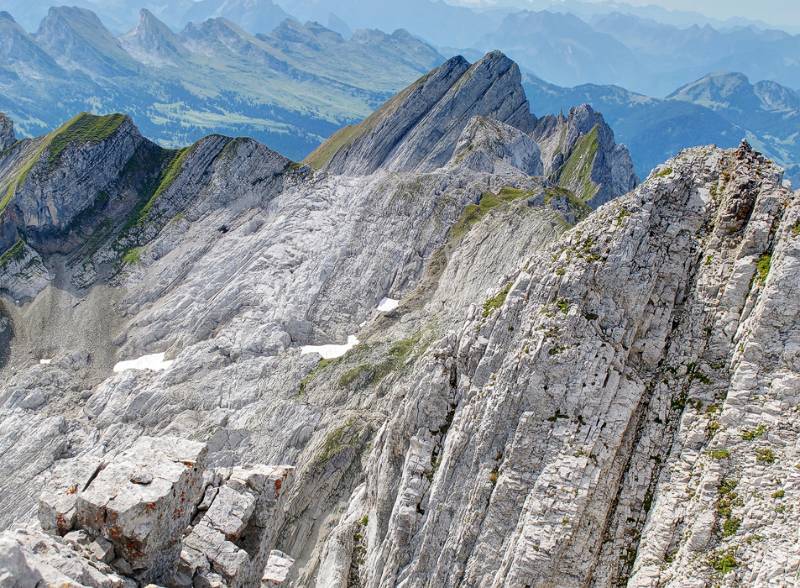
{"x": 143, "y": 501}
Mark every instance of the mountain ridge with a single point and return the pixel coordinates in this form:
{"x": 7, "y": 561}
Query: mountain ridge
{"x": 179, "y": 96}
{"x": 419, "y": 364}
{"x": 654, "y": 129}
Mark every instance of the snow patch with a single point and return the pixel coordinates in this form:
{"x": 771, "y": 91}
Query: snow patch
{"x": 388, "y": 304}
{"x": 155, "y": 362}
{"x": 331, "y": 351}
{"x": 45, "y": 361}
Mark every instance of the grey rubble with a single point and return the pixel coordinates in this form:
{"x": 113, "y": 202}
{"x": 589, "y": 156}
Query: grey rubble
{"x": 550, "y": 404}
{"x": 153, "y": 513}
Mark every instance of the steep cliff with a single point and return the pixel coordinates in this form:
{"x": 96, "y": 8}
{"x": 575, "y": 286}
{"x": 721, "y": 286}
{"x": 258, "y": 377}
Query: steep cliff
{"x": 7, "y": 137}
{"x": 580, "y": 154}
{"x": 417, "y": 130}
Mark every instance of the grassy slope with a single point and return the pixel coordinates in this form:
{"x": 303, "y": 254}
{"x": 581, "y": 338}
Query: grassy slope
{"x": 16, "y": 251}
{"x": 83, "y": 128}
{"x": 576, "y": 175}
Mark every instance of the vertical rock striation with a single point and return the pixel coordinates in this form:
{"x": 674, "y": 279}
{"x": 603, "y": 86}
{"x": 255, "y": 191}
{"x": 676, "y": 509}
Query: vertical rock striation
{"x": 579, "y": 153}
{"x": 7, "y": 137}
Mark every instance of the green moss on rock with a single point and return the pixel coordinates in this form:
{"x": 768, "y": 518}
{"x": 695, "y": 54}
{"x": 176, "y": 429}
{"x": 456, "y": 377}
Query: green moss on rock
{"x": 496, "y": 301}
{"x": 13, "y": 253}
{"x": 84, "y": 128}
{"x": 577, "y": 171}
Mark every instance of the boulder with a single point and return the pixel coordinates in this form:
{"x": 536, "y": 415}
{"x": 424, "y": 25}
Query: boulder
{"x": 143, "y": 501}
{"x": 232, "y": 540}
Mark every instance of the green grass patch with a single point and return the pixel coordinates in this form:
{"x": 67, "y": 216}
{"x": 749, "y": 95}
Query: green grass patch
{"x": 364, "y": 371}
{"x": 13, "y": 253}
{"x": 132, "y": 256}
{"x": 348, "y": 135}
{"x": 496, "y": 301}
{"x": 765, "y": 455}
{"x": 22, "y": 173}
{"x": 694, "y": 373}
{"x": 719, "y": 454}
{"x": 474, "y": 213}
{"x": 730, "y": 526}
{"x": 576, "y": 174}
{"x": 366, "y": 374}
{"x": 762, "y": 267}
{"x": 578, "y": 206}
{"x": 334, "y": 443}
{"x": 727, "y": 498}
{"x": 310, "y": 376}
{"x": 724, "y": 562}
{"x": 796, "y": 228}
{"x": 779, "y": 494}
{"x": 84, "y": 128}
{"x": 622, "y": 215}
{"x": 752, "y": 434}
{"x": 168, "y": 177}
{"x": 344, "y": 137}
{"x": 664, "y": 172}
{"x": 346, "y": 436}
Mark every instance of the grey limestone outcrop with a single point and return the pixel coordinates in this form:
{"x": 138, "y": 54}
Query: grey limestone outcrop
{"x": 419, "y": 128}
{"x": 563, "y": 396}
{"x": 7, "y": 136}
{"x": 579, "y": 152}
{"x": 152, "y": 514}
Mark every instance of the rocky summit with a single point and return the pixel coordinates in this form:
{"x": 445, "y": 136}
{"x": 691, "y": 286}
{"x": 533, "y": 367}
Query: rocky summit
{"x": 459, "y": 345}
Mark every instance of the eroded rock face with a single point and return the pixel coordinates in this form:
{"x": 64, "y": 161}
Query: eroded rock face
{"x": 232, "y": 540}
{"x": 143, "y": 500}
{"x": 154, "y": 513}
{"x": 487, "y": 145}
{"x": 54, "y": 182}
{"x": 418, "y": 129}
{"x": 580, "y": 154}
{"x": 523, "y": 470}
{"x": 549, "y": 404}
{"x": 7, "y": 137}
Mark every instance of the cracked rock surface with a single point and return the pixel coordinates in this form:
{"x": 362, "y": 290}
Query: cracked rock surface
{"x": 563, "y": 397}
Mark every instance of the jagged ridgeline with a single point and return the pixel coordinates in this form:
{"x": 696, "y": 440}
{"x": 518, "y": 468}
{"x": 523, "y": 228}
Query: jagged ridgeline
{"x": 457, "y": 346}
{"x": 291, "y": 86}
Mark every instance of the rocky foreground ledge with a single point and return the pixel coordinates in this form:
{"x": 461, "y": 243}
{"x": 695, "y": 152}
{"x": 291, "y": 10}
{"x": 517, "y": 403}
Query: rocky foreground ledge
{"x": 154, "y": 514}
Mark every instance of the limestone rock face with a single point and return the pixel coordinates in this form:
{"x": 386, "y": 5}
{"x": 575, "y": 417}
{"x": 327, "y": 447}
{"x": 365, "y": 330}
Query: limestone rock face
{"x": 532, "y": 393}
{"x": 486, "y": 145}
{"x": 52, "y": 181}
{"x": 418, "y": 129}
{"x": 146, "y": 516}
{"x": 234, "y": 538}
{"x": 156, "y": 479}
{"x": 152, "y": 42}
{"x": 7, "y": 137}
{"x": 579, "y": 152}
